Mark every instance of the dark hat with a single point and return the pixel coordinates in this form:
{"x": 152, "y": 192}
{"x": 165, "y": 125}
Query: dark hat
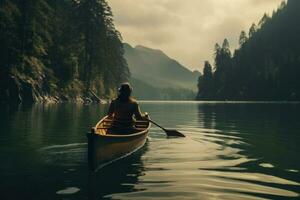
{"x": 125, "y": 88}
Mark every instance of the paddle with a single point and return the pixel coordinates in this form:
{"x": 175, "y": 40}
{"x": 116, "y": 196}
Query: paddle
{"x": 169, "y": 132}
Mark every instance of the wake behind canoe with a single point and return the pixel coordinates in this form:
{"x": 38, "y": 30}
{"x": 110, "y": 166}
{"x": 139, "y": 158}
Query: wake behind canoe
{"x": 105, "y": 147}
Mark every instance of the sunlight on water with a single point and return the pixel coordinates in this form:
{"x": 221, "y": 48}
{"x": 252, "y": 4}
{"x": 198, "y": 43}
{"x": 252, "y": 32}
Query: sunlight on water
{"x": 208, "y": 164}
{"x": 64, "y": 146}
{"x": 67, "y": 155}
{"x": 69, "y": 190}
{"x": 266, "y": 165}
{"x": 292, "y": 170}
{"x": 205, "y": 164}
{"x": 232, "y": 151}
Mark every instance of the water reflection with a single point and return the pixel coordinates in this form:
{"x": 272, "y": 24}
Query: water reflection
{"x": 232, "y": 151}
{"x": 247, "y": 138}
{"x": 119, "y": 177}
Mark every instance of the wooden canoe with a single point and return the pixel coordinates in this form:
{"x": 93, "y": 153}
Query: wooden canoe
{"x": 105, "y": 147}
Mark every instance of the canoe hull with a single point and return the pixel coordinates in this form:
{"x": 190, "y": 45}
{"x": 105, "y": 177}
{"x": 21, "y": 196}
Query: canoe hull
{"x": 104, "y": 149}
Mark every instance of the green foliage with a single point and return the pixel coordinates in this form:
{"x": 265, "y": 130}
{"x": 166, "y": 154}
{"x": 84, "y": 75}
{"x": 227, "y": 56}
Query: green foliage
{"x": 243, "y": 38}
{"x": 252, "y": 30}
{"x": 266, "y": 66}
{"x": 55, "y": 46}
{"x": 205, "y": 82}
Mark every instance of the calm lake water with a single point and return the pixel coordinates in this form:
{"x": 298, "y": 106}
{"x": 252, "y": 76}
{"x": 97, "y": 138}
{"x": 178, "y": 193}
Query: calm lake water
{"x": 232, "y": 151}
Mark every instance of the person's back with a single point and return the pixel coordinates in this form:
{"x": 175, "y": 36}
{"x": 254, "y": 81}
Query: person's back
{"x": 123, "y": 110}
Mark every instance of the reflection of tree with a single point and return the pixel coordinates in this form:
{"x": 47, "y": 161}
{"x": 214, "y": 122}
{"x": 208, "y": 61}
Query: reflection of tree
{"x": 261, "y": 131}
{"x": 206, "y": 115}
{"x": 225, "y": 117}
{"x": 52, "y": 123}
{"x": 118, "y": 177}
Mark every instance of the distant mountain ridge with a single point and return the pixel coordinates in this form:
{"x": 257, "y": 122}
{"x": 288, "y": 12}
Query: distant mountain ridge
{"x": 155, "y": 68}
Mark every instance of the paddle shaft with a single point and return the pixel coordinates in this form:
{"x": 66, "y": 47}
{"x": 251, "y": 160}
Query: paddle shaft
{"x": 157, "y": 124}
{"x": 170, "y": 133}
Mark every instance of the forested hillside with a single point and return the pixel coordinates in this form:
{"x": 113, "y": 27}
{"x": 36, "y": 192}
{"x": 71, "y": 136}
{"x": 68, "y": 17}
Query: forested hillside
{"x": 58, "y": 50}
{"x": 265, "y": 67}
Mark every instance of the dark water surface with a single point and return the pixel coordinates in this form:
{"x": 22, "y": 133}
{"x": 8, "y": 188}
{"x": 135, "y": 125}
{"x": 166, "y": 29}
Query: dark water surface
{"x": 232, "y": 151}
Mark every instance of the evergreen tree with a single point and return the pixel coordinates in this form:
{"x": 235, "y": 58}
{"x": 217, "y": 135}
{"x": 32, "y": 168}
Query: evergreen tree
{"x": 205, "y": 82}
{"x": 266, "y": 66}
{"x": 252, "y": 30}
{"x": 59, "y": 48}
{"x": 10, "y": 45}
{"x": 264, "y": 20}
{"x": 243, "y": 38}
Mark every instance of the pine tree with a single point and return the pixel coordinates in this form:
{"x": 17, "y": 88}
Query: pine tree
{"x": 61, "y": 48}
{"x": 252, "y": 30}
{"x": 9, "y": 48}
{"x": 266, "y": 66}
{"x": 205, "y": 82}
{"x": 243, "y": 38}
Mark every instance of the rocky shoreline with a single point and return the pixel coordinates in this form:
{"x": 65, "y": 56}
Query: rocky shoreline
{"x": 25, "y": 91}
{"x": 65, "y": 99}
{"x": 47, "y": 99}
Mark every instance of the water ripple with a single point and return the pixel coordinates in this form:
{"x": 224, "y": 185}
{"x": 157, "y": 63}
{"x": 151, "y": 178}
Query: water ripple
{"x": 73, "y": 154}
{"x": 209, "y": 163}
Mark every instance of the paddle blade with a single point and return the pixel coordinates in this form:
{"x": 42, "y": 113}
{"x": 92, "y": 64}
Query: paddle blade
{"x": 173, "y": 133}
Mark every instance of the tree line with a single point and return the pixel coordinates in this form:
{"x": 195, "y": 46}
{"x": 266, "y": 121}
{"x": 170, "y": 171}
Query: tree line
{"x": 266, "y": 66}
{"x": 61, "y": 48}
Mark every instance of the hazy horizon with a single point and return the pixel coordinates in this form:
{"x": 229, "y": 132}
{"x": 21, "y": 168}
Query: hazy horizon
{"x": 187, "y": 31}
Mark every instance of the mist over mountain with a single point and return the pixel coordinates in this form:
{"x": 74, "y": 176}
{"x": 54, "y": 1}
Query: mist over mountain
{"x": 153, "y": 68}
{"x": 157, "y": 69}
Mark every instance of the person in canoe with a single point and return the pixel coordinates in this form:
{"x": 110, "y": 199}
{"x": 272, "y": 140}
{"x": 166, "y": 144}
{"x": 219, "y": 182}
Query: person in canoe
{"x": 124, "y": 110}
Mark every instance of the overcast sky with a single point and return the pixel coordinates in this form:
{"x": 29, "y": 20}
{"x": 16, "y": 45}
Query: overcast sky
{"x": 187, "y": 30}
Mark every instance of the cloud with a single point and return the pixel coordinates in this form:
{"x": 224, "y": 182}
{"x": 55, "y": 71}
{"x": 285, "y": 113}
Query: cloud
{"x": 187, "y": 30}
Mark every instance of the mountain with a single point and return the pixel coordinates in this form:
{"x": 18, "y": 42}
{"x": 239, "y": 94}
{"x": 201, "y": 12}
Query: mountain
{"x": 144, "y": 91}
{"x": 156, "y": 69}
{"x": 266, "y": 66}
